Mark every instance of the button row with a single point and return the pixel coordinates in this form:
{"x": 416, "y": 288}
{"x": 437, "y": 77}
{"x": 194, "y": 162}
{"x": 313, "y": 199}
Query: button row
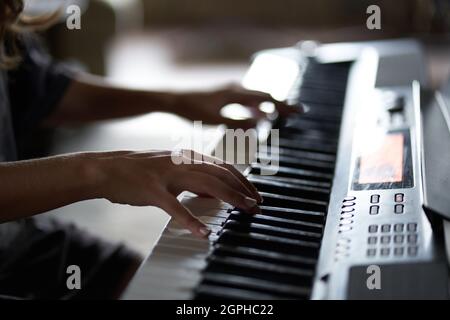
{"x": 398, "y": 227}
{"x": 397, "y": 239}
{"x": 399, "y": 251}
{"x": 398, "y": 209}
{"x": 398, "y": 197}
{"x": 347, "y": 214}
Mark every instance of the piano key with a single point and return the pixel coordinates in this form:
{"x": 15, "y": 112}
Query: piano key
{"x": 307, "y": 146}
{"x": 291, "y": 173}
{"x": 277, "y": 200}
{"x": 265, "y": 255}
{"x": 261, "y": 270}
{"x": 295, "y": 214}
{"x": 294, "y": 181}
{"x": 290, "y": 189}
{"x": 180, "y": 251}
{"x": 272, "y": 243}
{"x": 310, "y": 136}
{"x": 301, "y": 154}
{"x": 259, "y": 228}
{"x": 272, "y": 254}
{"x": 296, "y": 163}
{"x": 186, "y": 240}
{"x": 267, "y": 219}
{"x": 219, "y": 292}
{"x": 259, "y": 285}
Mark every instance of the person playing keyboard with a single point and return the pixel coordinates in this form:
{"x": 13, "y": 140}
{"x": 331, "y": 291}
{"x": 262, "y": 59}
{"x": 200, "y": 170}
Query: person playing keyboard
{"x": 36, "y": 91}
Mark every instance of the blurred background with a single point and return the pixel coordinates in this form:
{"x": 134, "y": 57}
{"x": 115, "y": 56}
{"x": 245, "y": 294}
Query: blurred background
{"x": 180, "y": 34}
{"x": 197, "y": 44}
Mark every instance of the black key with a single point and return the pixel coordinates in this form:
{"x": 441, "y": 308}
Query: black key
{"x": 275, "y": 221}
{"x": 276, "y": 200}
{"x": 271, "y": 243}
{"x": 291, "y": 189}
{"x": 265, "y": 286}
{"x": 241, "y": 226}
{"x": 292, "y": 173}
{"x": 265, "y": 255}
{"x": 294, "y": 214}
{"x": 260, "y": 270}
{"x": 301, "y": 154}
{"x": 301, "y": 182}
{"x": 296, "y": 163}
{"x": 205, "y": 291}
{"x": 307, "y": 146}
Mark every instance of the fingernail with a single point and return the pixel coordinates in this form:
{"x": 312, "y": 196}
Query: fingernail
{"x": 250, "y": 202}
{"x": 260, "y": 199}
{"x": 204, "y": 231}
{"x": 304, "y": 108}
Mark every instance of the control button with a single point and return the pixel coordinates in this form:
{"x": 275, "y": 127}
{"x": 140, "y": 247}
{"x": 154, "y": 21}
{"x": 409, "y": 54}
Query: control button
{"x": 373, "y": 228}
{"x": 348, "y": 209}
{"x": 412, "y": 227}
{"x": 374, "y": 209}
{"x": 345, "y": 222}
{"x": 375, "y": 198}
{"x": 343, "y": 242}
{"x": 385, "y": 251}
{"x": 385, "y": 239}
{"x": 349, "y": 198}
{"x": 399, "y": 251}
{"x": 399, "y": 208}
{"x": 399, "y": 197}
{"x": 348, "y": 204}
{"x": 395, "y": 103}
{"x": 344, "y": 228}
{"x": 371, "y": 252}
{"x": 398, "y": 227}
{"x": 399, "y": 238}
{"x": 412, "y": 251}
{"x": 412, "y": 238}
{"x": 386, "y": 228}
{"x": 347, "y": 215}
{"x": 372, "y": 240}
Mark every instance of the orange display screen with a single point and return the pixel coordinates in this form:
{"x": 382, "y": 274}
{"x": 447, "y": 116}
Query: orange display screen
{"x": 385, "y": 163}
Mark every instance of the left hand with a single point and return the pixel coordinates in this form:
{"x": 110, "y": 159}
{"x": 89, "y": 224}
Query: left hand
{"x": 206, "y": 106}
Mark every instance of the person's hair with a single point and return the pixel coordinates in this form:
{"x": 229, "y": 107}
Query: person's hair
{"x": 12, "y": 22}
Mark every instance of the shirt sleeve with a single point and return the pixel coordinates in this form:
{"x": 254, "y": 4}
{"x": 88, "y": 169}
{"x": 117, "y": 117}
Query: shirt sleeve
{"x": 36, "y": 86}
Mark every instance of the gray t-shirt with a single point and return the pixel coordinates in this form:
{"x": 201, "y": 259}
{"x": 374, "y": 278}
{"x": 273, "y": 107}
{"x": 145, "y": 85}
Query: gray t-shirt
{"x": 28, "y": 94}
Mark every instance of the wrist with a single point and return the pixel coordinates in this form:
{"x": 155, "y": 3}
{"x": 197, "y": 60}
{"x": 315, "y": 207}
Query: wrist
{"x": 92, "y": 175}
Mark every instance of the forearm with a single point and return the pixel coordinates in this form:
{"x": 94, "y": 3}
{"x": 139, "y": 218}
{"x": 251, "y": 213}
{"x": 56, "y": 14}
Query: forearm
{"x": 91, "y": 98}
{"x": 31, "y": 187}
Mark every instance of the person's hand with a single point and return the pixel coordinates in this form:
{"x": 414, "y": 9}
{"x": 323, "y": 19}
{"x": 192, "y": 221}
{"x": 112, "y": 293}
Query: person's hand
{"x": 155, "y": 179}
{"x": 206, "y": 106}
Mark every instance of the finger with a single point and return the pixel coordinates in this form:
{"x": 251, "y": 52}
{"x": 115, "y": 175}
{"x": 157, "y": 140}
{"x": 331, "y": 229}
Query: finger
{"x": 198, "y": 182}
{"x": 250, "y": 97}
{"x": 182, "y": 215}
{"x": 230, "y": 167}
{"x": 240, "y": 124}
{"x": 225, "y": 175}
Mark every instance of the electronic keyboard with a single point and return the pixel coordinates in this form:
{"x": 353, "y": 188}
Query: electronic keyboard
{"x": 343, "y": 185}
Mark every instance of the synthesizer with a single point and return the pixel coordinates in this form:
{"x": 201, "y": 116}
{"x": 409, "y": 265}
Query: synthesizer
{"x": 346, "y": 202}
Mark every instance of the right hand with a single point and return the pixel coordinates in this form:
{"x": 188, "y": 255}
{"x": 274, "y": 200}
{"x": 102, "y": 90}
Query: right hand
{"x": 154, "y": 179}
